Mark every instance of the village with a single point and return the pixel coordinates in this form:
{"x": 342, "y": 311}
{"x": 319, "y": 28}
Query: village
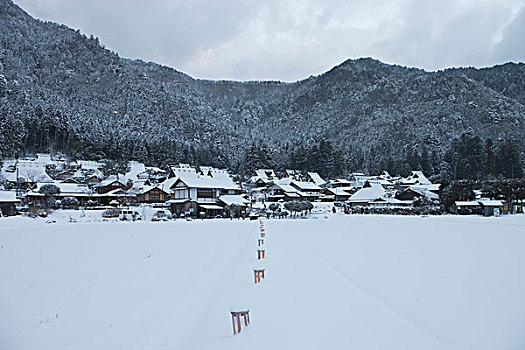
{"x": 35, "y": 185}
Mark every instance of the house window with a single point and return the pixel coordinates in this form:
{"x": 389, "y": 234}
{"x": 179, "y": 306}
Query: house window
{"x": 154, "y": 196}
{"x": 180, "y": 193}
{"x": 205, "y": 193}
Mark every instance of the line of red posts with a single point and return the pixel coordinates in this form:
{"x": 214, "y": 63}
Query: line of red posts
{"x": 241, "y": 315}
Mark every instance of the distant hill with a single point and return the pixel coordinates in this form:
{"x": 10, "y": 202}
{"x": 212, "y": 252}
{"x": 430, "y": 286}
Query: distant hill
{"x": 63, "y": 91}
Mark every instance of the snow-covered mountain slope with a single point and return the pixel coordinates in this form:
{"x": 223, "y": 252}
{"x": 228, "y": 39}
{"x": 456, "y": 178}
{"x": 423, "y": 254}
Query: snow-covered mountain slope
{"x": 61, "y": 90}
{"x": 362, "y": 282}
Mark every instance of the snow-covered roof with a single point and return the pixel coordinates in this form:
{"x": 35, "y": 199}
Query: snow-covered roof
{"x": 430, "y": 187}
{"x": 166, "y": 184}
{"x": 416, "y": 177}
{"x": 466, "y": 203}
{"x": 339, "y": 182}
{"x": 342, "y": 181}
{"x": 292, "y": 172}
{"x": 369, "y": 192}
{"x": 111, "y": 179}
{"x": 229, "y": 199}
{"x": 135, "y": 168}
{"x": 265, "y": 174}
{"x": 155, "y": 169}
{"x": 210, "y": 206}
{"x": 390, "y": 200}
{"x": 66, "y": 189}
{"x": 285, "y": 187}
{"x": 378, "y": 180}
{"x": 385, "y": 175}
{"x": 422, "y": 190}
{"x": 295, "y": 194}
{"x": 8, "y": 197}
{"x": 305, "y": 186}
{"x": 357, "y": 179}
{"x": 490, "y": 203}
{"x": 148, "y": 188}
{"x": 115, "y": 192}
{"x": 219, "y": 179}
{"x": 90, "y": 164}
{"x": 316, "y": 178}
{"x": 28, "y": 170}
{"x": 339, "y": 191}
{"x": 284, "y": 181}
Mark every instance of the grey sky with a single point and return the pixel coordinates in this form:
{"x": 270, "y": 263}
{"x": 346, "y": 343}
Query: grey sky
{"x": 293, "y": 39}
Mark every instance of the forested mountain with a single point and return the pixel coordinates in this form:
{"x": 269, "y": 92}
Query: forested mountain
{"x": 63, "y": 91}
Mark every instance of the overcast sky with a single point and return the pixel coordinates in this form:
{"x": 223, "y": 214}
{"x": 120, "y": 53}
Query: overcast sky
{"x": 293, "y": 39}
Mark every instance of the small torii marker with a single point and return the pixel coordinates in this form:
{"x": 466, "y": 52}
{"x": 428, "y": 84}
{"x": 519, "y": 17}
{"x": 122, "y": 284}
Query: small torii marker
{"x": 240, "y": 319}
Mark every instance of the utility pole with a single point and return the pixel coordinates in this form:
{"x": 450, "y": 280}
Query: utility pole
{"x": 16, "y": 194}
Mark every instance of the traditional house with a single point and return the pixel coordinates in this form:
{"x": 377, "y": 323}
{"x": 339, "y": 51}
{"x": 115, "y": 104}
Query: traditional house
{"x": 195, "y": 193}
{"x": 110, "y": 184}
{"x": 389, "y": 202}
{"x": 315, "y": 178}
{"x": 152, "y": 194}
{"x": 8, "y": 202}
{"x": 357, "y": 179}
{"x": 491, "y": 207}
{"x": 309, "y": 190}
{"x": 136, "y": 171}
{"x": 467, "y": 207}
{"x": 293, "y": 174}
{"x": 415, "y": 178}
{"x": 26, "y": 173}
{"x": 230, "y": 200}
{"x": 263, "y": 177}
{"x": 337, "y": 194}
{"x": 369, "y": 193}
{"x": 117, "y": 194}
{"x": 154, "y": 174}
{"x": 339, "y": 183}
{"x": 81, "y": 192}
{"x": 282, "y": 190}
{"x": 413, "y": 192}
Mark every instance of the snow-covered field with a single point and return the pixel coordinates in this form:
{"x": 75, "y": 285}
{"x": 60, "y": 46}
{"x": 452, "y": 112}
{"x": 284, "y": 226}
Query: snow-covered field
{"x": 346, "y": 282}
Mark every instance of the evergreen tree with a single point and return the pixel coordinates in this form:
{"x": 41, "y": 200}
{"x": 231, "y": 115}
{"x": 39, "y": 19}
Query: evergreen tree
{"x": 490, "y": 157}
{"x": 426, "y": 165}
{"x": 510, "y": 165}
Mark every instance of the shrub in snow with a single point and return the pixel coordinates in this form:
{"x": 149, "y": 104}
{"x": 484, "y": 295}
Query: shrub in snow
{"x": 296, "y": 206}
{"x": 70, "y": 203}
{"x": 234, "y": 210}
{"x": 49, "y": 191}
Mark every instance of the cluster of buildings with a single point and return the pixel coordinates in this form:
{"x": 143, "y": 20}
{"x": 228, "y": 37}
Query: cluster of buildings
{"x": 358, "y": 190}
{"x": 209, "y": 192}
{"x": 195, "y": 191}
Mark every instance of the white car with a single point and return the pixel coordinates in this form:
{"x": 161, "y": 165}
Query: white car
{"x": 129, "y": 215}
{"x": 161, "y": 215}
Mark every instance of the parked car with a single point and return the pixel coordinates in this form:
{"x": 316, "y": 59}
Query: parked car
{"x": 129, "y": 215}
{"x": 111, "y": 213}
{"x": 161, "y": 215}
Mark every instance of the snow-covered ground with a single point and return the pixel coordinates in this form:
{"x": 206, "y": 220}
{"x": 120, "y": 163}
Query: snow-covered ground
{"x": 346, "y": 282}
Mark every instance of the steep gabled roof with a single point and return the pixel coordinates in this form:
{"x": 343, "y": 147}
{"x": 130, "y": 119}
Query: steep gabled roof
{"x": 28, "y": 170}
{"x": 219, "y": 179}
{"x": 305, "y": 186}
{"x": 265, "y": 174}
{"x": 316, "y": 178}
{"x": 370, "y": 192}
